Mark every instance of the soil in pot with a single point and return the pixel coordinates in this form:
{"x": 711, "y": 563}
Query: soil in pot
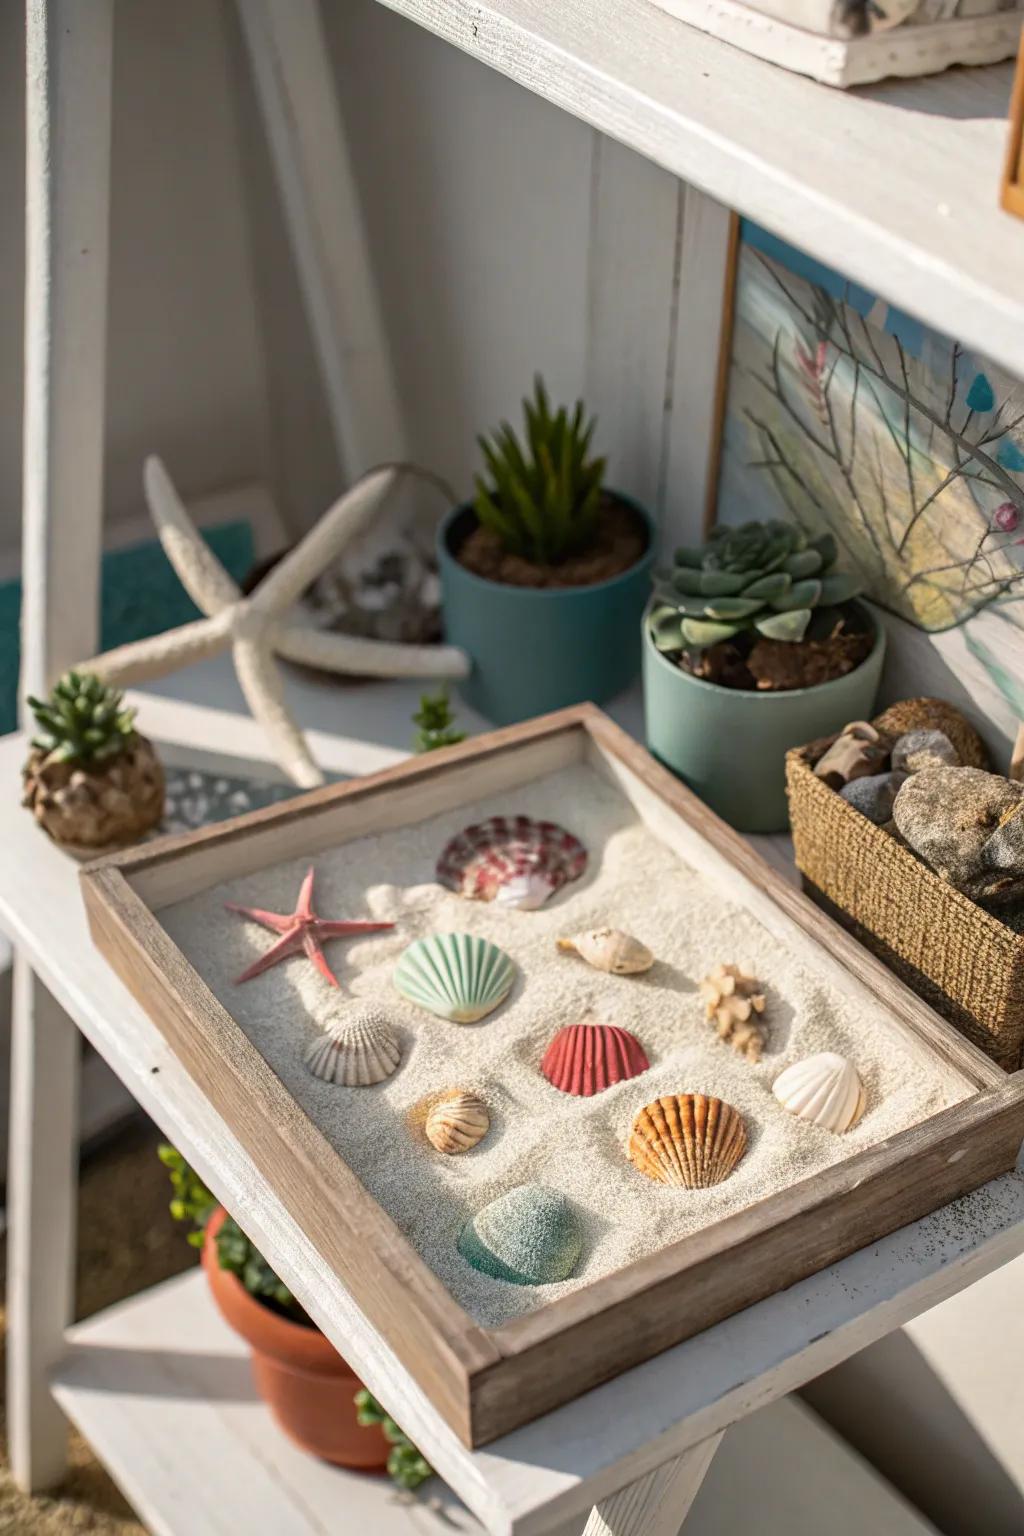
{"x": 305, "y": 1383}
{"x": 619, "y": 542}
{"x": 837, "y": 642}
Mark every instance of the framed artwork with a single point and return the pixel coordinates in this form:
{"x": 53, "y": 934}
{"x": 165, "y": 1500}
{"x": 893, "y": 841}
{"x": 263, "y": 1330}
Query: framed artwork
{"x": 1013, "y": 176}
{"x": 845, "y": 414}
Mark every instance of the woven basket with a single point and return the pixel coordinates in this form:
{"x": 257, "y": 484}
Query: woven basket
{"x": 963, "y": 961}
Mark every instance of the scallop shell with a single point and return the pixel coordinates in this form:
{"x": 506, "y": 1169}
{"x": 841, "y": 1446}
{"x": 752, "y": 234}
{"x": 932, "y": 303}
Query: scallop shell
{"x": 457, "y": 1123}
{"x": 529, "y": 1236}
{"x": 687, "y": 1139}
{"x": 825, "y": 1089}
{"x": 458, "y": 976}
{"x": 609, "y": 949}
{"x": 358, "y": 1047}
{"x": 584, "y": 1059}
{"x": 513, "y": 860}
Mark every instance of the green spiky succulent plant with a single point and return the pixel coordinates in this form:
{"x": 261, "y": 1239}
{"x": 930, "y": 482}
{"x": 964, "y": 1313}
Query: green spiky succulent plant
{"x": 83, "y": 721}
{"x": 767, "y": 577}
{"x": 545, "y": 494}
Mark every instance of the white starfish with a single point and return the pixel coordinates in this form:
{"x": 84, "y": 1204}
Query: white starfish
{"x": 256, "y": 628}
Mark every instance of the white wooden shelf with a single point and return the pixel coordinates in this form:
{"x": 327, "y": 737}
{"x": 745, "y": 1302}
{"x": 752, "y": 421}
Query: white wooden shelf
{"x": 353, "y": 728}
{"x": 160, "y": 1383}
{"x": 161, "y": 1388}
{"x": 531, "y": 1482}
{"x": 895, "y": 185}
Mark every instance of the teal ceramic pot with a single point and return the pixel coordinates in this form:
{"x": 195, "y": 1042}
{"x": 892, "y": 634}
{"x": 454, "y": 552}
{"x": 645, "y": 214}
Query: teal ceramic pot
{"x": 537, "y": 649}
{"x": 730, "y": 746}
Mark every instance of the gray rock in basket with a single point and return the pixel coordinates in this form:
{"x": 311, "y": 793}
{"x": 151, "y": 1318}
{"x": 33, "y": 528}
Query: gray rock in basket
{"x": 967, "y": 825}
{"x": 874, "y": 796}
{"x": 917, "y": 750}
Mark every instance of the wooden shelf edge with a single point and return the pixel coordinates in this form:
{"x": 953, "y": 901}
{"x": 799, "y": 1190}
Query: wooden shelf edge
{"x": 161, "y": 1388}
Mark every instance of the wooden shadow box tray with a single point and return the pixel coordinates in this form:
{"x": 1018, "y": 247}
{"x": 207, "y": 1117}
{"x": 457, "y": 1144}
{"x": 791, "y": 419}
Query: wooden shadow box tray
{"x": 487, "y": 1380}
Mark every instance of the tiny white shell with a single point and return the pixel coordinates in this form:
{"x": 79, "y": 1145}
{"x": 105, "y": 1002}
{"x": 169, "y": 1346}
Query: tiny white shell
{"x": 609, "y": 949}
{"x": 825, "y": 1089}
{"x": 358, "y": 1047}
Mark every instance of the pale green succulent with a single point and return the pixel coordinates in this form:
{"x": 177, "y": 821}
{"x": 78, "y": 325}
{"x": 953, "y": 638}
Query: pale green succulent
{"x": 768, "y": 577}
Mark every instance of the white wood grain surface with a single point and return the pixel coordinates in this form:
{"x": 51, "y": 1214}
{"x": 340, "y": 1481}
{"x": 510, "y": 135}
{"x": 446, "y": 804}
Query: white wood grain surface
{"x": 318, "y": 191}
{"x": 796, "y": 43}
{"x": 814, "y": 165}
{"x": 69, "y": 69}
{"x": 160, "y": 1381}
{"x": 632, "y": 267}
{"x": 558, "y": 1467}
{"x": 657, "y": 1503}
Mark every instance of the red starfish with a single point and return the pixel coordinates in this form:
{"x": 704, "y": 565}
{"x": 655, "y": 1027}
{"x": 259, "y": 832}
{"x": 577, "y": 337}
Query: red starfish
{"x": 299, "y": 930}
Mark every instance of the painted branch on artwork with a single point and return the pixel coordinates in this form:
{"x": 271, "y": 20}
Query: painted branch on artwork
{"x": 845, "y": 415}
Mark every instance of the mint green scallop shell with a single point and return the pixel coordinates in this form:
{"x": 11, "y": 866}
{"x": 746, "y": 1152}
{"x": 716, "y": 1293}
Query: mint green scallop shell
{"x": 530, "y": 1236}
{"x": 458, "y": 976}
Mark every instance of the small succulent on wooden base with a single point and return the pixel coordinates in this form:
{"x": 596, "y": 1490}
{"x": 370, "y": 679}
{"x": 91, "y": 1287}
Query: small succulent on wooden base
{"x": 544, "y": 495}
{"x": 406, "y": 1465}
{"x": 435, "y": 722}
{"x": 91, "y": 780}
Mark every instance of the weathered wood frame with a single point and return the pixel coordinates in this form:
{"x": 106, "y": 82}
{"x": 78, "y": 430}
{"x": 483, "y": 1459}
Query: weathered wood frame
{"x": 487, "y": 1382}
{"x": 1012, "y": 192}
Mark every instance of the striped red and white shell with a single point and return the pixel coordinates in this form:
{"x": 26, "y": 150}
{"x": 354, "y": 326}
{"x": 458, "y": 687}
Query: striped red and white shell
{"x": 513, "y": 860}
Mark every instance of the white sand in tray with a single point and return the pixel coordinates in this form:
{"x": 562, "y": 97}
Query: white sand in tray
{"x": 576, "y": 1145}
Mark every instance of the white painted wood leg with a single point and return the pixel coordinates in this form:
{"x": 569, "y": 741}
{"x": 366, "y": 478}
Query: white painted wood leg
{"x": 69, "y": 51}
{"x": 295, "y": 85}
{"x": 41, "y": 1190}
{"x": 67, "y": 181}
{"x": 657, "y": 1503}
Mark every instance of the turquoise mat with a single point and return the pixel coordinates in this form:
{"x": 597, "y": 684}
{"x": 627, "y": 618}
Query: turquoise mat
{"x": 140, "y": 596}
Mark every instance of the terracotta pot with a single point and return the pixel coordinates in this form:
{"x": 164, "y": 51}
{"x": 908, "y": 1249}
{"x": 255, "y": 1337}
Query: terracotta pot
{"x": 300, "y": 1376}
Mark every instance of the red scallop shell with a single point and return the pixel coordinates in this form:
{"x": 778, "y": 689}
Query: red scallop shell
{"x": 484, "y": 857}
{"x": 584, "y": 1059}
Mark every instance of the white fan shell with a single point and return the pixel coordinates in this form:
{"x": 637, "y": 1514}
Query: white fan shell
{"x": 825, "y": 1089}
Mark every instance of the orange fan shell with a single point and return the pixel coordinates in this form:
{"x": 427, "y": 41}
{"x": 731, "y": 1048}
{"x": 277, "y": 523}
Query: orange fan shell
{"x": 687, "y": 1139}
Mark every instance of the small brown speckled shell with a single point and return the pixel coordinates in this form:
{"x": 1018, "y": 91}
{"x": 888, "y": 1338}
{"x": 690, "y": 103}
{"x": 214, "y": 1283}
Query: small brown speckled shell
{"x": 457, "y": 1123}
{"x": 688, "y": 1140}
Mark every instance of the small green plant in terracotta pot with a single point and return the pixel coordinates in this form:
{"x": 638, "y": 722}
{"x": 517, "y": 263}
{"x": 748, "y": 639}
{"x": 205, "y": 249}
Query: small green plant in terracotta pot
{"x": 754, "y": 643}
{"x": 545, "y": 574}
{"x": 315, "y": 1396}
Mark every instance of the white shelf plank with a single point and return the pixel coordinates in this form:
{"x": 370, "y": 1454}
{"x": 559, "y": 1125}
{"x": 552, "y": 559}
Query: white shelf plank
{"x": 895, "y": 185}
{"x": 541, "y": 1476}
{"x": 161, "y": 1388}
{"x": 160, "y": 1382}
{"x": 353, "y": 727}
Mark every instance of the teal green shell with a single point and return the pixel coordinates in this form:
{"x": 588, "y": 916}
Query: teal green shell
{"x": 531, "y": 1236}
{"x": 458, "y": 976}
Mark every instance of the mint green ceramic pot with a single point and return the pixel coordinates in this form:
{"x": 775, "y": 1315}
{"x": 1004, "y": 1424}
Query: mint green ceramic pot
{"x": 536, "y": 649}
{"x": 730, "y": 746}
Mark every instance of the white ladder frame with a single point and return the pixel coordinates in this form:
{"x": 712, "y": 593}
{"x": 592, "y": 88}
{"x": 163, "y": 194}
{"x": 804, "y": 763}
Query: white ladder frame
{"x": 68, "y": 112}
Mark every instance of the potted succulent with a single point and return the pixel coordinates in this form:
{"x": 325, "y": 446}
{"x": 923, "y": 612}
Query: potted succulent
{"x": 91, "y": 781}
{"x": 545, "y": 574}
{"x": 316, "y": 1398}
{"x": 753, "y": 644}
